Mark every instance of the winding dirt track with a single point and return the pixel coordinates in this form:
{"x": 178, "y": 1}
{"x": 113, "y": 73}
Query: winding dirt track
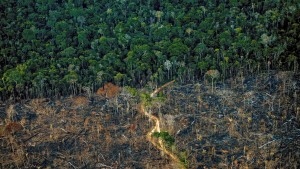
{"x": 159, "y": 145}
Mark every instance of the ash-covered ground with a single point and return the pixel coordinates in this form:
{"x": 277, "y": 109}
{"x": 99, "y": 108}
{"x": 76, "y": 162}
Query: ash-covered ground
{"x": 243, "y": 122}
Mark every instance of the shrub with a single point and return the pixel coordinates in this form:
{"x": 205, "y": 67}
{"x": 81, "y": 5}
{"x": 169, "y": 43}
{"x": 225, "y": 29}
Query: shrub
{"x": 166, "y": 137}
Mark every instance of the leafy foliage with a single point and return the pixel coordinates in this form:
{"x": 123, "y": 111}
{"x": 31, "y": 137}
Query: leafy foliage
{"x": 66, "y": 45}
{"x": 166, "y": 137}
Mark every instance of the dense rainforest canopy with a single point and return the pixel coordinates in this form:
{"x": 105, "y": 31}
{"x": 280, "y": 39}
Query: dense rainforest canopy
{"x": 58, "y": 47}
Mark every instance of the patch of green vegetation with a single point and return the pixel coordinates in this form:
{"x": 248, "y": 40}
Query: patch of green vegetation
{"x": 166, "y": 137}
{"x": 133, "y": 91}
{"x": 146, "y": 99}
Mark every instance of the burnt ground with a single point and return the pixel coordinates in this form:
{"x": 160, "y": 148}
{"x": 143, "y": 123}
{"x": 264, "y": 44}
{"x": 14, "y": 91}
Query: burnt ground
{"x": 78, "y": 132}
{"x": 244, "y": 122}
{"x": 249, "y": 122}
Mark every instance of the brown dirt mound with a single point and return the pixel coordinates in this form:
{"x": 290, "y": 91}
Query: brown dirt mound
{"x": 109, "y": 90}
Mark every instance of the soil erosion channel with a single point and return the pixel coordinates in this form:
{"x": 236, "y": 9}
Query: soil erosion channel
{"x": 160, "y": 145}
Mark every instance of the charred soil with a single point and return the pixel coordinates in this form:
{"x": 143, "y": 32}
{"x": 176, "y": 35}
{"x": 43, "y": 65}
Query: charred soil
{"x": 243, "y": 122}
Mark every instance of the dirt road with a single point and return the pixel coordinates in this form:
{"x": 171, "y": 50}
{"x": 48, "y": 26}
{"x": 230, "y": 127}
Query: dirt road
{"x": 159, "y": 144}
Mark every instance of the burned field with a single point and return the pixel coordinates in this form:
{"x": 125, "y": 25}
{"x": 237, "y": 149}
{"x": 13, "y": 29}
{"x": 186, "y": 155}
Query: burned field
{"x": 243, "y": 122}
{"x": 77, "y": 132}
